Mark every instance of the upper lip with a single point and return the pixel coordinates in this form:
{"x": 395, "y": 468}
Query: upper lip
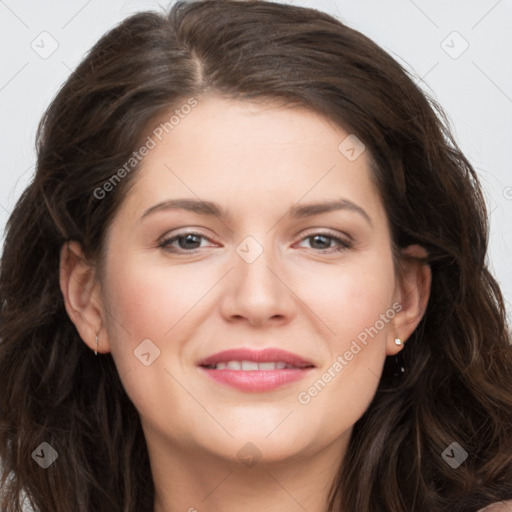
{"x": 267, "y": 355}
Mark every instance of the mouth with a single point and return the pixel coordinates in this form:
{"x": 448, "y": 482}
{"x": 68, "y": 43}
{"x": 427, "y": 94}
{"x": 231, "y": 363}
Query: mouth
{"x": 247, "y": 366}
{"x": 245, "y": 359}
{"x": 255, "y": 371}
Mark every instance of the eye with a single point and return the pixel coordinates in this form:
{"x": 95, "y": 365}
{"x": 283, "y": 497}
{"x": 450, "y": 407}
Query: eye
{"x": 323, "y": 240}
{"x": 187, "y": 242}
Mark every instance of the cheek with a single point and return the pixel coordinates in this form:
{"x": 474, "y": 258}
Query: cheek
{"x": 351, "y": 298}
{"x": 157, "y": 302}
{"x": 149, "y": 300}
{"x": 356, "y": 303}
{"x": 146, "y": 303}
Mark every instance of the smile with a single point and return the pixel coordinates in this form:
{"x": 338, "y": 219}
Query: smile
{"x": 252, "y": 366}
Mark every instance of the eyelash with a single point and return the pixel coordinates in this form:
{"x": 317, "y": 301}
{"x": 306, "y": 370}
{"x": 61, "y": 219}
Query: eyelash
{"x": 343, "y": 244}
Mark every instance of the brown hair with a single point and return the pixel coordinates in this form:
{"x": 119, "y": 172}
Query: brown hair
{"x": 458, "y": 381}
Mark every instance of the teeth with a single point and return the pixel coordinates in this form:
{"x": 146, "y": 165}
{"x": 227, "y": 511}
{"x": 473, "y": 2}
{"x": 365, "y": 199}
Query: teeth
{"x": 252, "y": 365}
{"x": 267, "y": 366}
{"x": 249, "y": 365}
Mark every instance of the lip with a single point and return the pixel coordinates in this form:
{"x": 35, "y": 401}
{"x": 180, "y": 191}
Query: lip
{"x": 259, "y": 356}
{"x": 256, "y": 380}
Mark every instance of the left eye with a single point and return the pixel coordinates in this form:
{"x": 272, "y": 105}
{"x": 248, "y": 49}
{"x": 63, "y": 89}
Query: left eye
{"x": 322, "y": 237}
{"x": 188, "y": 242}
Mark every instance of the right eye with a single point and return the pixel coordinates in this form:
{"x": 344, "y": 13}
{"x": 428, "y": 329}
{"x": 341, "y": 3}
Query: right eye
{"x": 187, "y": 242}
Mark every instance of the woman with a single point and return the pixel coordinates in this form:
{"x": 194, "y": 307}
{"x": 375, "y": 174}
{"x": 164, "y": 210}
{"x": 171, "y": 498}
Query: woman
{"x": 256, "y": 369}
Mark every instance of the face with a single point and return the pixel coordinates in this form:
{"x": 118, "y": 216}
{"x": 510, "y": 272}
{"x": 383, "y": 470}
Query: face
{"x": 266, "y": 276}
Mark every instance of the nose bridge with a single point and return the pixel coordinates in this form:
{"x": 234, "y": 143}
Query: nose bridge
{"x": 255, "y": 259}
{"x": 257, "y": 292}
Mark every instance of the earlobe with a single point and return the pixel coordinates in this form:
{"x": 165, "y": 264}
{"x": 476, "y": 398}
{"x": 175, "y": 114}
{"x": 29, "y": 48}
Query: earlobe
{"x": 413, "y": 291}
{"x": 80, "y": 291}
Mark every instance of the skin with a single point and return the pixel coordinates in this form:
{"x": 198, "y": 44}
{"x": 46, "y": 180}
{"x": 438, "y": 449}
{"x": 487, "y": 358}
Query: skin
{"x": 257, "y": 160}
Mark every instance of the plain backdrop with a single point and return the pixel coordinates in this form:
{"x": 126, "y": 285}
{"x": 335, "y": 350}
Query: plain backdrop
{"x": 459, "y": 52}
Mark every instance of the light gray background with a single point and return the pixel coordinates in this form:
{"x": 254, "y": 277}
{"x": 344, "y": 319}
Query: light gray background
{"x": 474, "y": 86}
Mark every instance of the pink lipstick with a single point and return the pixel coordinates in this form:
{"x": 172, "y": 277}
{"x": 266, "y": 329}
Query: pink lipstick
{"x": 255, "y": 371}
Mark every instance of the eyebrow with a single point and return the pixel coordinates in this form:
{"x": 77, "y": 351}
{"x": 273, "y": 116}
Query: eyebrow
{"x": 210, "y": 208}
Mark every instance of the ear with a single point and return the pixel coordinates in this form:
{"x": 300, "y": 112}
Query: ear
{"x": 82, "y": 296}
{"x": 412, "y": 293}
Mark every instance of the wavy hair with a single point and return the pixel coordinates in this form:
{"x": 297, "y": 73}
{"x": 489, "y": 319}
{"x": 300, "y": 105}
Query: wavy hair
{"x": 458, "y": 380}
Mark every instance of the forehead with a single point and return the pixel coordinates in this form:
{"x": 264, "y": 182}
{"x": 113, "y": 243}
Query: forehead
{"x": 232, "y": 151}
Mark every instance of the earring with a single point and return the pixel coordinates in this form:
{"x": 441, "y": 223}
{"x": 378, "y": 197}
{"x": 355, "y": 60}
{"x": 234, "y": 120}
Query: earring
{"x": 399, "y": 367}
{"x": 96, "y": 351}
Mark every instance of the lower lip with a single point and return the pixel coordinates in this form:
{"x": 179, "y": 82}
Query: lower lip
{"x": 256, "y": 380}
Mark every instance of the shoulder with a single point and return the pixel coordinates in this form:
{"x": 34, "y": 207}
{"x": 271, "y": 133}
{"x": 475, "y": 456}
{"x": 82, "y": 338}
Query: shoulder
{"x": 500, "y": 506}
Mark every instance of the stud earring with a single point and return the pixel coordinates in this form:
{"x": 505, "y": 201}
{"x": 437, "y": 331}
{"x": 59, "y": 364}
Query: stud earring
{"x": 398, "y": 341}
{"x": 96, "y": 351}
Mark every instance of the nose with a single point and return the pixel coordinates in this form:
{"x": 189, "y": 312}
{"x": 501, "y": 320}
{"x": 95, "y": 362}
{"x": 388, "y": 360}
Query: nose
{"x": 259, "y": 292}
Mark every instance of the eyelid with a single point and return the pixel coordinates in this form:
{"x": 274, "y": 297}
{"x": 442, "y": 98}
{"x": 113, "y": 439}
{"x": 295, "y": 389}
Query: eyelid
{"x": 327, "y": 231}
